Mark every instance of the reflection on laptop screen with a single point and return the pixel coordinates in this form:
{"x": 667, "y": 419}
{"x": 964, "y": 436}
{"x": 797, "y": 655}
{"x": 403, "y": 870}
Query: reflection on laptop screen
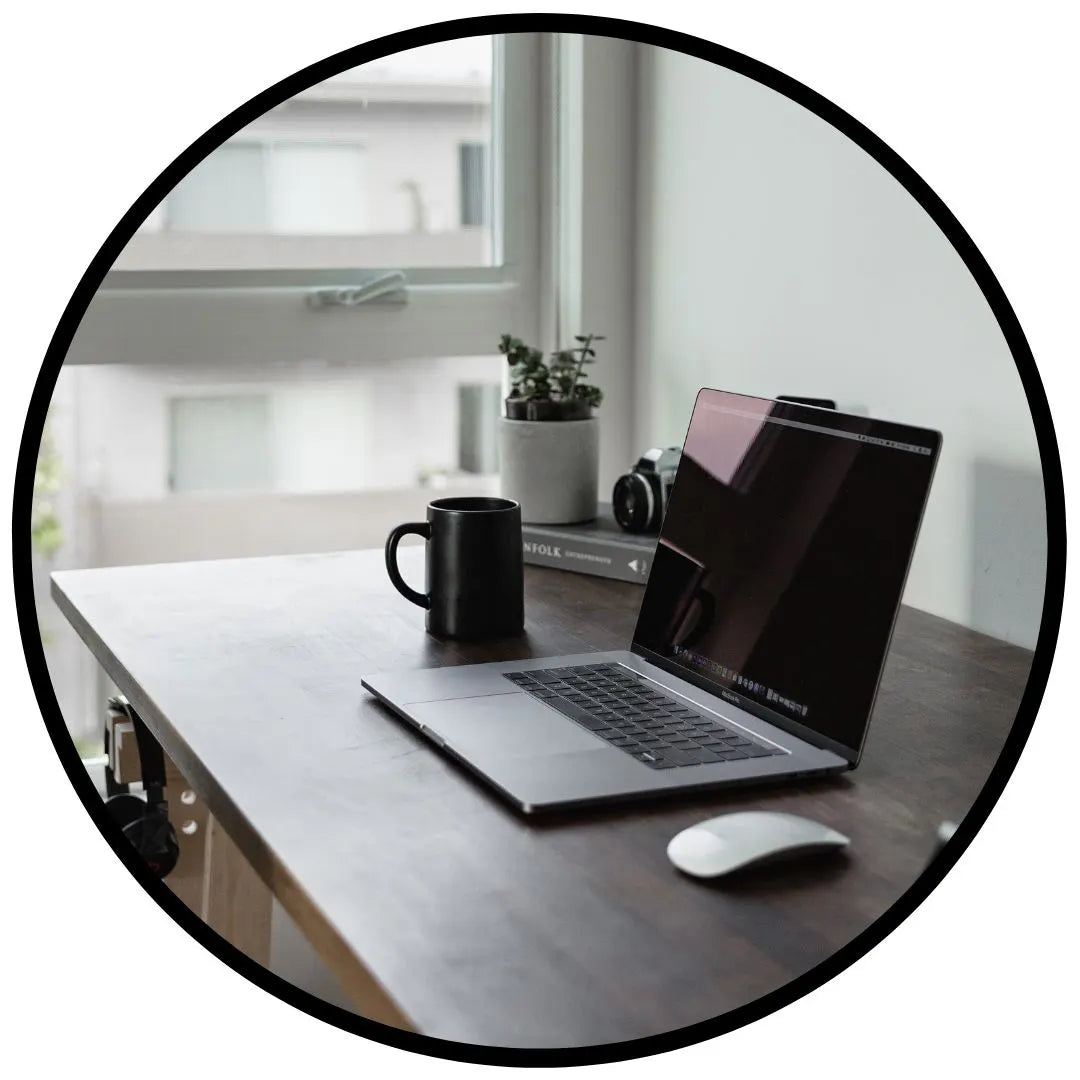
{"x": 783, "y": 555}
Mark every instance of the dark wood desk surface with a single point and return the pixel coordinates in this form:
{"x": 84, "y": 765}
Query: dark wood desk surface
{"x": 481, "y": 925}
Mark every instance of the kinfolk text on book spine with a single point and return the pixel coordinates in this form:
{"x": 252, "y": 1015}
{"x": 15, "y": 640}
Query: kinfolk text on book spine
{"x": 598, "y": 557}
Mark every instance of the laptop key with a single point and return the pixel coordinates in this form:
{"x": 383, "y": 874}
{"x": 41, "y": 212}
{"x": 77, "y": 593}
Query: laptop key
{"x": 570, "y": 710}
{"x": 544, "y": 676}
{"x": 759, "y": 751}
{"x": 680, "y": 757}
{"x": 703, "y": 757}
{"x": 648, "y": 757}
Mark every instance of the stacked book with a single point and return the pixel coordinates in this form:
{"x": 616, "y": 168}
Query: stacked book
{"x": 599, "y": 547}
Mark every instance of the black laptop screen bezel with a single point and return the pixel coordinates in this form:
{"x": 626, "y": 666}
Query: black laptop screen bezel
{"x": 840, "y": 422}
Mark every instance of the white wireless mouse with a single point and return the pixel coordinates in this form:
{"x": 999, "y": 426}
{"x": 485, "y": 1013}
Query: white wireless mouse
{"x": 732, "y": 841}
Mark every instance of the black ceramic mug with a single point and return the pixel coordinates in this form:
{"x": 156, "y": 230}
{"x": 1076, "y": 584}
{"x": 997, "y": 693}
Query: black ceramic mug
{"x": 475, "y": 575}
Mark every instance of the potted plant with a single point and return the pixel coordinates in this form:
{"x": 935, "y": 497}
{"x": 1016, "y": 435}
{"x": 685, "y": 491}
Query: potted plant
{"x": 549, "y": 438}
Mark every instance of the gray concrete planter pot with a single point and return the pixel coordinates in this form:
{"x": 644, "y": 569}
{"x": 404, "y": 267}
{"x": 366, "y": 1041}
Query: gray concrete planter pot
{"x": 550, "y": 467}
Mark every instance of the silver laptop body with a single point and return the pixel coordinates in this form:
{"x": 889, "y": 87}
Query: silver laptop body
{"x": 767, "y": 618}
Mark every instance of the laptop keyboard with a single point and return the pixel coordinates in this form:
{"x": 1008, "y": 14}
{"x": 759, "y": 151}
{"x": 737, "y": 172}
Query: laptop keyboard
{"x": 630, "y": 712}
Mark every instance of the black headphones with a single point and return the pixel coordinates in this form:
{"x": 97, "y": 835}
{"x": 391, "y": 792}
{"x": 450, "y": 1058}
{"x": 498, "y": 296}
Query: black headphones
{"x": 144, "y": 822}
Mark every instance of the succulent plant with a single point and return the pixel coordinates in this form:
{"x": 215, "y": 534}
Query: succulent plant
{"x": 553, "y": 390}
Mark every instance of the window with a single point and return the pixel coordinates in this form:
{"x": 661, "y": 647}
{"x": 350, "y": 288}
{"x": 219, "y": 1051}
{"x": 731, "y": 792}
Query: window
{"x": 389, "y": 160}
{"x": 316, "y": 188}
{"x": 219, "y": 443}
{"x": 226, "y": 193}
{"x": 271, "y": 187}
{"x": 473, "y": 184}
{"x": 479, "y": 408}
{"x": 426, "y": 164}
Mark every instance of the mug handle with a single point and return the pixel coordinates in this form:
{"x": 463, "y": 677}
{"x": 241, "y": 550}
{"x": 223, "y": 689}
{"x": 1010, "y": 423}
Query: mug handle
{"x": 420, "y": 528}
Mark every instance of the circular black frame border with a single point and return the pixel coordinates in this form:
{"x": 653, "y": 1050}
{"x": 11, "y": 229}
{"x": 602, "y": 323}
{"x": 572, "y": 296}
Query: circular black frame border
{"x": 915, "y": 186}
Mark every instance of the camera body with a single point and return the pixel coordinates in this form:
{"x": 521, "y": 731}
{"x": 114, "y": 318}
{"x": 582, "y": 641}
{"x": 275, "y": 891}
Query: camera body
{"x": 640, "y": 497}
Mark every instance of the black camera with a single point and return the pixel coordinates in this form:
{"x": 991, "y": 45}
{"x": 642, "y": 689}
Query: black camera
{"x": 640, "y": 498}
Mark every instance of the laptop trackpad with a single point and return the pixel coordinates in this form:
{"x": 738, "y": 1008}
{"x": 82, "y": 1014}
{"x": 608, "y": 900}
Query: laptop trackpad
{"x": 505, "y": 724}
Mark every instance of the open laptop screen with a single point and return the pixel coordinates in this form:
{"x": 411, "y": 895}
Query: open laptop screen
{"x": 782, "y": 558}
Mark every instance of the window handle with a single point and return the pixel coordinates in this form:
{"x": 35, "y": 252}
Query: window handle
{"x": 388, "y": 288}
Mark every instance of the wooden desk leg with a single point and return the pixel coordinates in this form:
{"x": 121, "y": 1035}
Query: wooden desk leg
{"x": 370, "y": 1000}
{"x": 236, "y": 903}
{"x": 211, "y": 876}
{"x": 190, "y": 819}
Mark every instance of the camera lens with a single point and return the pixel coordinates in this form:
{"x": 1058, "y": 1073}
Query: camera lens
{"x": 632, "y": 502}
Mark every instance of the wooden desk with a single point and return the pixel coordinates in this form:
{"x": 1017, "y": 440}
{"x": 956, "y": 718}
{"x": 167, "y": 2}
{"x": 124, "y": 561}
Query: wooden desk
{"x": 434, "y": 903}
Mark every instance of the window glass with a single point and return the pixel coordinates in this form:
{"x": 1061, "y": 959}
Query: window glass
{"x": 317, "y": 188}
{"x": 225, "y": 193}
{"x": 386, "y": 165}
{"x": 219, "y": 443}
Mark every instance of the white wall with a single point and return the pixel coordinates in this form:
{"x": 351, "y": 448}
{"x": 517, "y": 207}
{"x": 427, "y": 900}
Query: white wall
{"x": 779, "y": 258}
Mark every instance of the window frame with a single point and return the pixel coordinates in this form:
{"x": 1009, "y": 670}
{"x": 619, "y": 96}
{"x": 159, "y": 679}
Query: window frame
{"x": 150, "y": 317}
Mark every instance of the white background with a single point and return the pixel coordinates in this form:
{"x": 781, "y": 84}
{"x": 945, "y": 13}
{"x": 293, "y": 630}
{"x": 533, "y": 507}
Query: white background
{"x": 978, "y": 98}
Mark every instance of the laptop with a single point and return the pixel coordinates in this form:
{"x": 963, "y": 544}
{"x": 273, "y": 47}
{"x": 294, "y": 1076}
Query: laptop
{"x": 762, "y": 632}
